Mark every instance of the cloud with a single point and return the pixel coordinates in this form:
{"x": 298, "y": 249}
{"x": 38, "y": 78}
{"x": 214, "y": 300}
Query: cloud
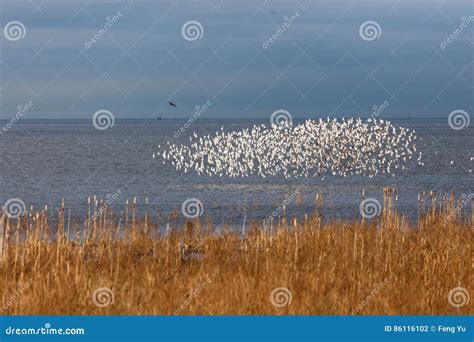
{"x": 318, "y": 64}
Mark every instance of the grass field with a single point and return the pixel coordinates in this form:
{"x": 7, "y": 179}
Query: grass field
{"x": 315, "y": 266}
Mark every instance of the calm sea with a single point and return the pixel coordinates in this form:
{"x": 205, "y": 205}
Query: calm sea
{"x": 46, "y": 160}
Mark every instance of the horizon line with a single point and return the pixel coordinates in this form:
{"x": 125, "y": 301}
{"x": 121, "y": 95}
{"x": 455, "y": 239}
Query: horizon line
{"x": 226, "y": 118}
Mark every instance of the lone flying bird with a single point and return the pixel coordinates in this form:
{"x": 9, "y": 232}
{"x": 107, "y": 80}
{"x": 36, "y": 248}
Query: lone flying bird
{"x": 172, "y": 104}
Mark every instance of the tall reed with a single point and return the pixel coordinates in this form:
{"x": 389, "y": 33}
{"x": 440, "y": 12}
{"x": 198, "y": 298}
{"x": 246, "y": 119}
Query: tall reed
{"x": 384, "y": 265}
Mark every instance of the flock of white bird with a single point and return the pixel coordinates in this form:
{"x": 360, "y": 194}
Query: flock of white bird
{"x": 312, "y": 149}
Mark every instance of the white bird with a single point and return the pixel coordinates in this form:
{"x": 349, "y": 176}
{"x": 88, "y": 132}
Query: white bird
{"x": 312, "y": 149}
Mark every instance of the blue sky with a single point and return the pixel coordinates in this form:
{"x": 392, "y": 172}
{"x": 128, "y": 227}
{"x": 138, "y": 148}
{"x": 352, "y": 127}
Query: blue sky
{"x": 319, "y": 65}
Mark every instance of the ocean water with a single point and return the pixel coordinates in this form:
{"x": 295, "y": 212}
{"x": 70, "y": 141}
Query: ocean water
{"x": 43, "y": 161}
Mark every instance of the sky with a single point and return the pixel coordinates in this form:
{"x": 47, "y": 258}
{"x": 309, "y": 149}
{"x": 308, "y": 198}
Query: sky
{"x": 247, "y": 60}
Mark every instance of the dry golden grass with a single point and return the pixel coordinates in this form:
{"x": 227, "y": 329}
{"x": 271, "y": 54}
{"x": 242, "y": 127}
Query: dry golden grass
{"x": 381, "y": 266}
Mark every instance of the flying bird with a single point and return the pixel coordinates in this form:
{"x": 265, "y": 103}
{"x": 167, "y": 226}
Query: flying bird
{"x": 172, "y": 104}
